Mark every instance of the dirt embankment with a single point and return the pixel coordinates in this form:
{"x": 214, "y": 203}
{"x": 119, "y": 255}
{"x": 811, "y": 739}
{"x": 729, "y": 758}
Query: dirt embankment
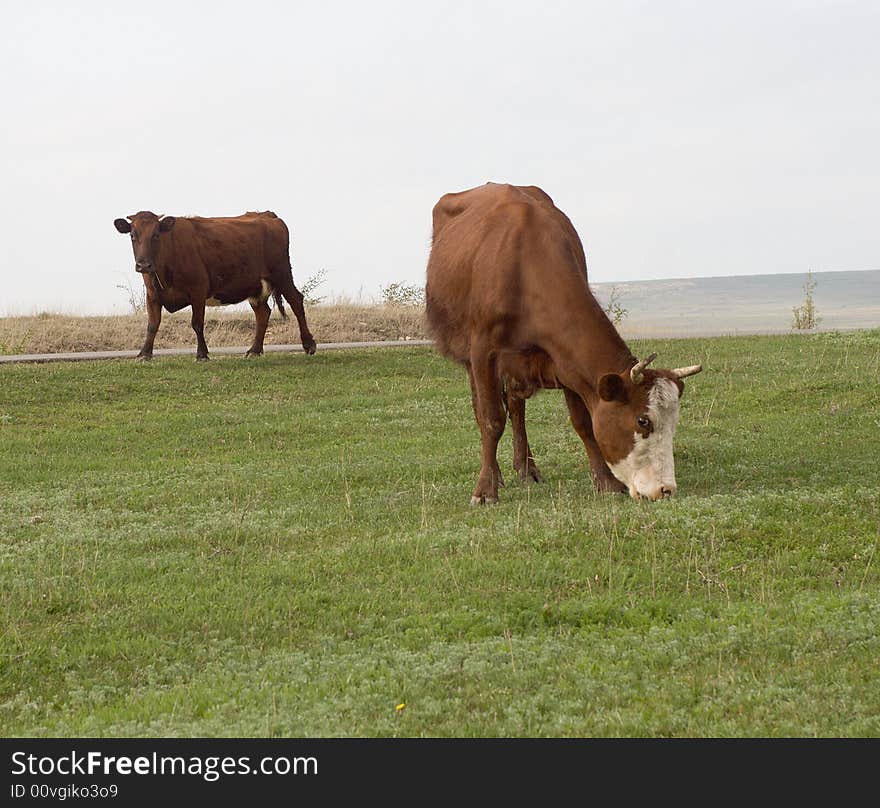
{"x": 56, "y": 333}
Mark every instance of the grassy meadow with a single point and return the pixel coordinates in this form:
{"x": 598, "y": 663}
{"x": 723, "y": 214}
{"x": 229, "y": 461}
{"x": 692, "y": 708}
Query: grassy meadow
{"x": 284, "y": 546}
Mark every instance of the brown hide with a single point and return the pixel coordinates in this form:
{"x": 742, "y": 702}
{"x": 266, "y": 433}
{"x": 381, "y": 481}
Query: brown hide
{"x": 188, "y": 261}
{"x": 507, "y": 296}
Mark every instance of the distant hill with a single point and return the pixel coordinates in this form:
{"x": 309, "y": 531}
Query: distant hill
{"x": 743, "y": 304}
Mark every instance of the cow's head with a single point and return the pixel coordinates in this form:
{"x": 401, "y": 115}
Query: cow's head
{"x": 634, "y": 423}
{"x": 145, "y": 228}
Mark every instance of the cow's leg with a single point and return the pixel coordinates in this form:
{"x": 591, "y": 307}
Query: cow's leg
{"x": 198, "y": 325}
{"x": 583, "y": 425}
{"x": 523, "y": 461}
{"x": 474, "y": 405}
{"x": 295, "y": 298}
{"x": 261, "y": 312}
{"x": 489, "y": 410}
{"x": 154, "y": 317}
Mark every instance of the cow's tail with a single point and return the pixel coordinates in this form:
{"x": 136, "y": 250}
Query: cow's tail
{"x": 279, "y": 302}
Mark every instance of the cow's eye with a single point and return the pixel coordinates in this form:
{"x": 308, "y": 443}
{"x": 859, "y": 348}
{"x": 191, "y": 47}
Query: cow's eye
{"x": 644, "y": 422}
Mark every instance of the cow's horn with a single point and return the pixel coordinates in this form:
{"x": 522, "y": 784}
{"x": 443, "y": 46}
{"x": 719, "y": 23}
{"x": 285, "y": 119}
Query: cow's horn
{"x": 636, "y": 373}
{"x": 691, "y": 370}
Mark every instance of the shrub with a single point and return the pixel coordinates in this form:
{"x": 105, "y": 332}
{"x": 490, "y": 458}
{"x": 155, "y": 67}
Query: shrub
{"x": 309, "y": 288}
{"x": 137, "y": 297}
{"x": 616, "y": 313}
{"x": 403, "y": 294}
{"x": 805, "y": 317}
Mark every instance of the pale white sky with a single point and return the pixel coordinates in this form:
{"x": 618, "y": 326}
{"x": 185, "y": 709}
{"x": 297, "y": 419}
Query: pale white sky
{"x": 682, "y": 138}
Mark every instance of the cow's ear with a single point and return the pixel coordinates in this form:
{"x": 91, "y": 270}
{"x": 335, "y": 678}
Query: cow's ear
{"x": 166, "y": 224}
{"x": 612, "y": 388}
{"x": 122, "y": 226}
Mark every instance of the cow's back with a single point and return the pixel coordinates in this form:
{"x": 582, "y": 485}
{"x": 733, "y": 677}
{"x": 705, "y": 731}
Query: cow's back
{"x": 495, "y": 250}
{"x": 262, "y": 231}
{"x": 254, "y": 243}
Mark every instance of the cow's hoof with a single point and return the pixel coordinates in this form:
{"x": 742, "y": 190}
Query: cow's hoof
{"x": 142, "y": 357}
{"x": 252, "y": 352}
{"x": 530, "y": 474}
{"x": 483, "y": 499}
{"x": 310, "y": 347}
{"x": 202, "y": 358}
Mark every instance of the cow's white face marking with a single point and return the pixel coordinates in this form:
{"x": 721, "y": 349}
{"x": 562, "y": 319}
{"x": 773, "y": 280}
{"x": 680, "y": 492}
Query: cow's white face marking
{"x": 649, "y": 469}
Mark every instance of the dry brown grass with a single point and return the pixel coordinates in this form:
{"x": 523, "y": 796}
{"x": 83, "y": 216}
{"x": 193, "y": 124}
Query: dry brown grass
{"x": 54, "y": 333}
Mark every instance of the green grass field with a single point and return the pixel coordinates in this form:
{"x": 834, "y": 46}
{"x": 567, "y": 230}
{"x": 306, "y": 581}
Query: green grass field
{"x": 284, "y": 547}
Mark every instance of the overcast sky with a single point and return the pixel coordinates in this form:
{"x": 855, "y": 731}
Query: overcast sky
{"x": 683, "y": 139}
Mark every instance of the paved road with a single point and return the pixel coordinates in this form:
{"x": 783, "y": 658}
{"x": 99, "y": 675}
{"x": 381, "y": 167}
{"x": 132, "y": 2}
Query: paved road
{"x": 77, "y": 356}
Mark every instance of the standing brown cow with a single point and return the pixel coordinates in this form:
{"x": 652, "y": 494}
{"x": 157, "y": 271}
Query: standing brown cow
{"x": 507, "y": 297}
{"x": 196, "y": 262}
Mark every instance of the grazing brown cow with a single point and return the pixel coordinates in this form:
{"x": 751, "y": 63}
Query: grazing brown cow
{"x": 507, "y": 297}
{"x": 197, "y": 262}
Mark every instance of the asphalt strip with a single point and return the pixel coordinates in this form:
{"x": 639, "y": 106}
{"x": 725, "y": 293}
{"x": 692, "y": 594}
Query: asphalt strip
{"x": 80, "y": 356}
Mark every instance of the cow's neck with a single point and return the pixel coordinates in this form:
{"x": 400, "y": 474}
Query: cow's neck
{"x": 163, "y": 276}
{"x": 594, "y": 349}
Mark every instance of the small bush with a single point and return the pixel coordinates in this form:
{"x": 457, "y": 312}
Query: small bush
{"x": 137, "y": 298}
{"x": 403, "y": 294}
{"x": 309, "y": 288}
{"x": 805, "y": 317}
{"x": 616, "y": 313}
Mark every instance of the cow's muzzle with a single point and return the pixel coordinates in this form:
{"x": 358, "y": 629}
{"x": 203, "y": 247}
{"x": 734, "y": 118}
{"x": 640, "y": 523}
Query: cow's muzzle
{"x": 654, "y": 494}
{"x": 144, "y": 266}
